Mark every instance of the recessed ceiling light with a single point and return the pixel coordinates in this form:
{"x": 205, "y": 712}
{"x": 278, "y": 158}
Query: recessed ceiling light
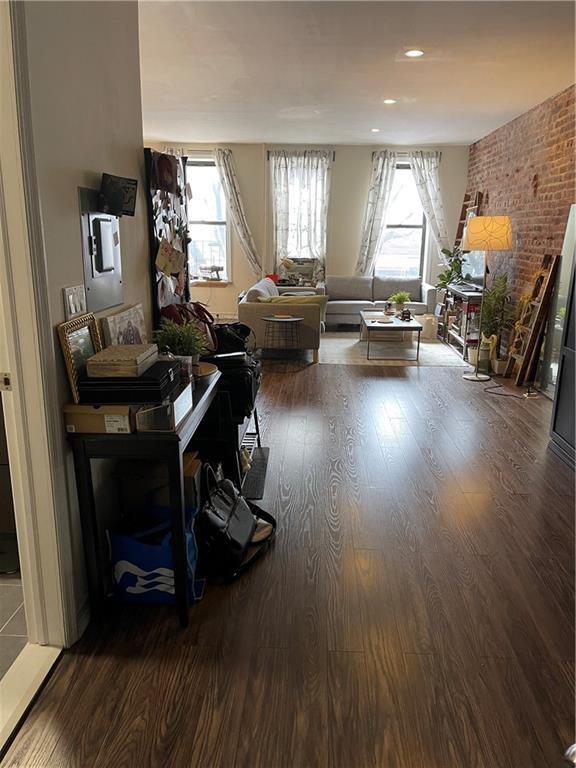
{"x": 414, "y": 53}
{"x": 375, "y": 130}
{"x": 389, "y": 101}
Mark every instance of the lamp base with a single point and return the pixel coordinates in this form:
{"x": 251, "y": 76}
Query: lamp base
{"x": 531, "y": 394}
{"x": 474, "y": 376}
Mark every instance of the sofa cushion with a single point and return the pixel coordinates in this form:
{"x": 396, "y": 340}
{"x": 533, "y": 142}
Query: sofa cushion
{"x": 348, "y": 307}
{"x": 263, "y": 289}
{"x": 295, "y": 301}
{"x": 416, "y": 307}
{"x": 349, "y": 288}
{"x": 384, "y": 287}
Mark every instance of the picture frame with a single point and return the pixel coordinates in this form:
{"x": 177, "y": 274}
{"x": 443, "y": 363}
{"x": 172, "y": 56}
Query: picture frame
{"x": 79, "y": 339}
{"x": 125, "y": 327}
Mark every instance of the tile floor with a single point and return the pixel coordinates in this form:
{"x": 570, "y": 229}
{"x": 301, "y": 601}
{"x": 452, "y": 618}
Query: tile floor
{"x": 13, "y": 635}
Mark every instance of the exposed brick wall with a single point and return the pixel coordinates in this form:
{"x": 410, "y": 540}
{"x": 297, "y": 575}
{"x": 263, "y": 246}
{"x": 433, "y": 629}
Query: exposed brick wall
{"x": 526, "y": 169}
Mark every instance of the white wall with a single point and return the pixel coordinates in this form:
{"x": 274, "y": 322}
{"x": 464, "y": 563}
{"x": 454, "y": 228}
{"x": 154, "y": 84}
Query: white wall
{"x": 84, "y": 74}
{"x": 350, "y": 179}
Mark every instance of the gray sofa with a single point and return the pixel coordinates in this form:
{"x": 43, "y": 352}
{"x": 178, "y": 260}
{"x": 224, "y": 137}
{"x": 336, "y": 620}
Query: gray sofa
{"x": 347, "y": 296}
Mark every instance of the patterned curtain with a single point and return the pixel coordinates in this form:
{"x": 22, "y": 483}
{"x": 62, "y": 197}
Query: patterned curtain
{"x": 300, "y": 194}
{"x": 227, "y": 173}
{"x": 383, "y": 169}
{"x": 425, "y": 166}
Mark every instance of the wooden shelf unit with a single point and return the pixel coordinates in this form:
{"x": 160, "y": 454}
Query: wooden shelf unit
{"x": 459, "y": 321}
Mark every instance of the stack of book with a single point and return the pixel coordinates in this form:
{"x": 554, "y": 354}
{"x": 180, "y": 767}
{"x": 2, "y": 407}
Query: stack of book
{"x": 122, "y": 380}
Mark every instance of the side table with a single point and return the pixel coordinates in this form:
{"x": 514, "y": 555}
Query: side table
{"x": 282, "y": 332}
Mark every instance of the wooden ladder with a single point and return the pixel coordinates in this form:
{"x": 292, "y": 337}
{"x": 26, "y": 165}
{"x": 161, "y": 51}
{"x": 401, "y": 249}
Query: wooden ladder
{"x": 529, "y": 330}
{"x": 470, "y": 205}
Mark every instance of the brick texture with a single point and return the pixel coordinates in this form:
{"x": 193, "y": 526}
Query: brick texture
{"x": 526, "y": 169}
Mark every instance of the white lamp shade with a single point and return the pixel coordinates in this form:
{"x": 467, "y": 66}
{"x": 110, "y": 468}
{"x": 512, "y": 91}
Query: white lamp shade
{"x": 488, "y": 233}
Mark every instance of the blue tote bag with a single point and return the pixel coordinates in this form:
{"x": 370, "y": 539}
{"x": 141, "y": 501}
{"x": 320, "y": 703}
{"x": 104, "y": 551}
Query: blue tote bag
{"x": 143, "y": 566}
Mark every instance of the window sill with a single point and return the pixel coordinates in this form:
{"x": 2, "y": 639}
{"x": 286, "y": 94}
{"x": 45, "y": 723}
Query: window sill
{"x": 209, "y": 283}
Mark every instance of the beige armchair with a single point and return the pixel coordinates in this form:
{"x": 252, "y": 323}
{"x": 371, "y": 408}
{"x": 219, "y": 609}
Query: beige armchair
{"x": 251, "y": 311}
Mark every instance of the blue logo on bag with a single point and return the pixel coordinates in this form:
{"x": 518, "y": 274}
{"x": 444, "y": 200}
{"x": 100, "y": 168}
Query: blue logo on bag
{"x": 142, "y": 561}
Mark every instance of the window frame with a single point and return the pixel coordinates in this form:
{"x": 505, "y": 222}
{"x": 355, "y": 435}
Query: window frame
{"x": 406, "y": 166}
{"x": 209, "y": 162}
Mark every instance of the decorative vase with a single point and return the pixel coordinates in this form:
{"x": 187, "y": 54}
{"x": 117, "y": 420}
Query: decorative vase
{"x": 472, "y": 355}
{"x": 487, "y": 352}
{"x": 186, "y": 366}
{"x": 499, "y": 366}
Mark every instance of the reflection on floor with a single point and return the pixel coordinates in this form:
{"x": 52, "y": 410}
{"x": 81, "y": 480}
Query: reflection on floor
{"x": 13, "y": 635}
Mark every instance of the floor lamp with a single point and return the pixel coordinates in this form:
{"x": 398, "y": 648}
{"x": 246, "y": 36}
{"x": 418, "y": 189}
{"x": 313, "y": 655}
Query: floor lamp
{"x": 485, "y": 233}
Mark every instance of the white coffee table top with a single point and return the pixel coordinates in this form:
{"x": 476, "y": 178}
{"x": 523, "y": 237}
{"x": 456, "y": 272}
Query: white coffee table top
{"x": 371, "y": 320}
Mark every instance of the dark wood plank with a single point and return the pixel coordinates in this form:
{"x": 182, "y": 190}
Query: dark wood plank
{"x": 416, "y": 611}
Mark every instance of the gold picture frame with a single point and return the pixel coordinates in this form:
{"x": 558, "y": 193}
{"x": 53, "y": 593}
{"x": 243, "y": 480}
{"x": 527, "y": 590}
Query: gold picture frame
{"x": 79, "y": 339}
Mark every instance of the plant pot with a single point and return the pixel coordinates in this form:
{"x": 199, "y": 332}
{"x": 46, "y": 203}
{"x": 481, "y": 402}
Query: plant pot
{"x": 399, "y": 308}
{"x": 499, "y": 367}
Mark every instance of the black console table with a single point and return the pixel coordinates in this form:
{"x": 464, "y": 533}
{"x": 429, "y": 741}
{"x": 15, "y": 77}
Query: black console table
{"x": 160, "y": 446}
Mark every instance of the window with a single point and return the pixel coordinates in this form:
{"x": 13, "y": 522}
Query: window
{"x": 300, "y": 189}
{"x": 208, "y": 249}
{"x": 401, "y": 247}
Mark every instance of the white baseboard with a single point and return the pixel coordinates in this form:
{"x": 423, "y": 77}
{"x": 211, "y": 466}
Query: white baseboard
{"x": 83, "y": 618}
{"x": 21, "y": 683}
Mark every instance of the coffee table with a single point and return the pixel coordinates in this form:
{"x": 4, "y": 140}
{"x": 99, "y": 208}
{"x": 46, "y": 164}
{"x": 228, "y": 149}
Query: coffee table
{"x": 369, "y": 321}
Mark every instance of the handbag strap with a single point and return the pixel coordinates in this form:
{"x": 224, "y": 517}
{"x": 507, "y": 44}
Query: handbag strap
{"x": 201, "y": 312}
{"x": 210, "y": 480}
{"x": 261, "y": 514}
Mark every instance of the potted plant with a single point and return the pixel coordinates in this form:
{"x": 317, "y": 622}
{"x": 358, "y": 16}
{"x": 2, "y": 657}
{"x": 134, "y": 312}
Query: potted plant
{"x": 497, "y": 316}
{"x": 452, "y": 273}
{"x": 399, "y": 299}
{"x": 185, "y": 342}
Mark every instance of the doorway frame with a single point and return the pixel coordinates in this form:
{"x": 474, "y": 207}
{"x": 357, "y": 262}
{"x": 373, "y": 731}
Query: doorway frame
{"x": 30, "y": 422}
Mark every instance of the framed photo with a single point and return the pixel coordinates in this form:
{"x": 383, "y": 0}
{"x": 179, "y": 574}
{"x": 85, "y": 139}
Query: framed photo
{"x": 74, "y": 301}
{"x": 126, "y": 327}
{"x": 80, "y": 339}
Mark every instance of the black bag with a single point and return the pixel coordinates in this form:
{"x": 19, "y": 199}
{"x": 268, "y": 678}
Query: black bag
{"x": 241, "y": 374}
{"x": 225, "y": 527}
{"x": 233, "y": 337}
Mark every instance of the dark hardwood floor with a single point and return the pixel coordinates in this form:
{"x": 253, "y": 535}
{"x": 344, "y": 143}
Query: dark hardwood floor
{"x": 417, "y": 610}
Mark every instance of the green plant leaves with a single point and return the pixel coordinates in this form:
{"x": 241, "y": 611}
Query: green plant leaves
{"x": 186, "y": 339}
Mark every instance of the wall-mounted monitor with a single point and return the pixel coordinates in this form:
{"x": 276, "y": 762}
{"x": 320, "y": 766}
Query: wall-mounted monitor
{"x": 118, "y": 195}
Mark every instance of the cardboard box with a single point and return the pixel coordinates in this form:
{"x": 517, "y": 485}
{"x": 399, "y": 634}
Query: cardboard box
{"x": 142, "y": 483}
{"x": 192, "y": 482}
{"x": 109, "y": 419}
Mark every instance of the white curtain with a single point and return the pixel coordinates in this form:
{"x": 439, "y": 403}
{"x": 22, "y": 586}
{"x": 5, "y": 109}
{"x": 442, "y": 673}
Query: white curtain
{"x": 425, "y": 168}
{"x": 300, "y": 193}
{"x": 227, "y": 173}
{"x": 383, "y": 169}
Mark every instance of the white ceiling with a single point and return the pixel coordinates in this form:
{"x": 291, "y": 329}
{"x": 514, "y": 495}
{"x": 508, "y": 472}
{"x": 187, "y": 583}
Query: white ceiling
{"x": 299, "y": 72}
